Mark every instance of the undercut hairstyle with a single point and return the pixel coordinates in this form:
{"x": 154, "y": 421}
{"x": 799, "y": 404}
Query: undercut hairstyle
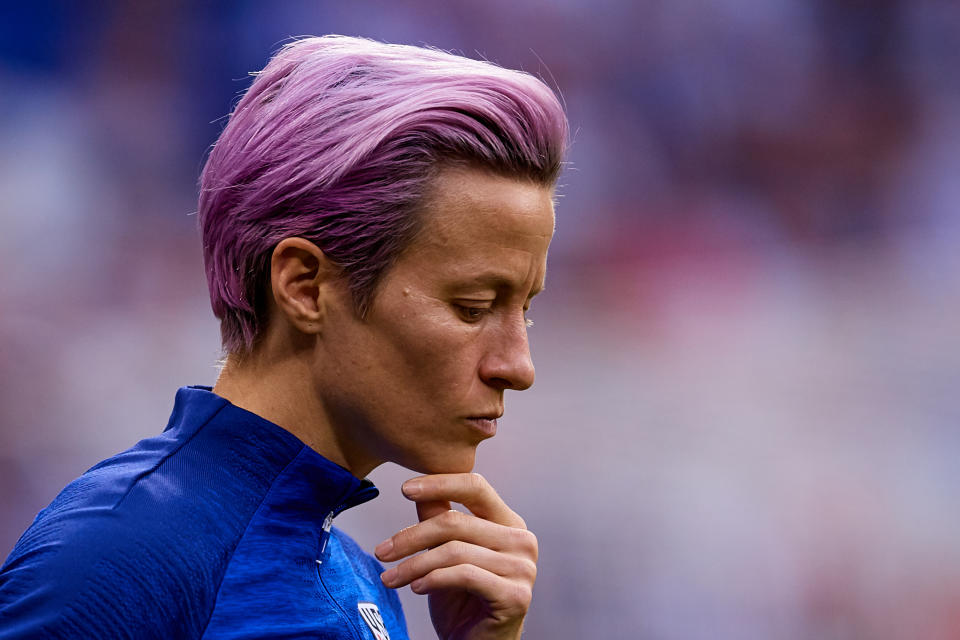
{"x": 336, "y": 141}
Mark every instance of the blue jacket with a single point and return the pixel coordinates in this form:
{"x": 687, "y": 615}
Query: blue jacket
{"x": 220, "y": 527}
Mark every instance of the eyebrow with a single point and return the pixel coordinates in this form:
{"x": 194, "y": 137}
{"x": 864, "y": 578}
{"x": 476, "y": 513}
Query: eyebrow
{"x": 499, "y": 281}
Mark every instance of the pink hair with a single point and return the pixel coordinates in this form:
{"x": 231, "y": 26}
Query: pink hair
{"x": 336, "y": 141}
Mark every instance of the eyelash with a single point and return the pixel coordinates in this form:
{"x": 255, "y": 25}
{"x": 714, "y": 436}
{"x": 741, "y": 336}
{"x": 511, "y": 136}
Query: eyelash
{"x": 465, "y": 313}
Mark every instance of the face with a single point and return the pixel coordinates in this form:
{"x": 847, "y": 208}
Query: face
{"x": 420, "y": 381}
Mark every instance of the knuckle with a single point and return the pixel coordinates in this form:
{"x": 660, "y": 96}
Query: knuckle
{"x": 527, "y": 569}
{"x": 477, "y": 482}
{"x": 455, "y": 550}
{"x": 524, "y": 539}
{"x": 453, "y": 518}
{"x": 533, "y": 541}
{"x": 521, "y": 595}
{"x": 472, "y": 573}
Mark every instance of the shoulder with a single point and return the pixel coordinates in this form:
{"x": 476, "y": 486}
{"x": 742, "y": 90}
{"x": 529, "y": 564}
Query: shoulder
{"x": 137, "y": 545}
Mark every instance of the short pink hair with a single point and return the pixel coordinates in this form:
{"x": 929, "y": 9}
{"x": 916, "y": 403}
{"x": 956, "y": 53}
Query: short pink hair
{"x": 336, "y": 141}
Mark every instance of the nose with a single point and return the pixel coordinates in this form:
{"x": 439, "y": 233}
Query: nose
{"x": 507, "y": 363}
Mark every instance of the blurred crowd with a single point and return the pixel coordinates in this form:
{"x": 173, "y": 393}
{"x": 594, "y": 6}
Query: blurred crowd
{"x": 745, "y": 420}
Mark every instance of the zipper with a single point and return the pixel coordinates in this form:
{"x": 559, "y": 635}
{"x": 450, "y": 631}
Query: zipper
{"x": 366, "y": 492}
{"x": 339, "y": 607}
{"x": 325, "y": 536}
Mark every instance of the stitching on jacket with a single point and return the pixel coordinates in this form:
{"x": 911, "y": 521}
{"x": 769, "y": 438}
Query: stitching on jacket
{"x": 154, "y": 468}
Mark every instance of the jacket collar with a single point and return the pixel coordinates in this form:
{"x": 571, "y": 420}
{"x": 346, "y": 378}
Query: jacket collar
{"x": 309, "y": 486}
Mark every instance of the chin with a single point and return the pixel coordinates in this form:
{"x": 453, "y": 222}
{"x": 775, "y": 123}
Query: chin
{"x": 449, "y": 462}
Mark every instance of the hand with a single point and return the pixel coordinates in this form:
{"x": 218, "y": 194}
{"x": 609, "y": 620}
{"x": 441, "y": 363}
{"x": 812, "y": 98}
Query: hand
{"x": 478, "y": 569}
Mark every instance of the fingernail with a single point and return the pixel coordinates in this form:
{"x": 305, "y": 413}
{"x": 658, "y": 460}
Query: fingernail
{"x": 411, "y": 488}
{"x": 384, "y": 548}
{"x": 416, "y": 585}
{"x": 389, "y": 577}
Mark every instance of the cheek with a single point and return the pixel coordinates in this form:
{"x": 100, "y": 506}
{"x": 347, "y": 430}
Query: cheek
{"x": 439, "y": 356}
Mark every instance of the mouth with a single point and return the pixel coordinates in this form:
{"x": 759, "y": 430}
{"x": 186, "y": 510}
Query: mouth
{"x": 486, "y": 425}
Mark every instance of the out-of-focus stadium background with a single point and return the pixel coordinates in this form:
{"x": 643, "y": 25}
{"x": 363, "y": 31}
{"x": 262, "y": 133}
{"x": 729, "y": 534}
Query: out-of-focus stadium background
{"x": 746, "y": 420}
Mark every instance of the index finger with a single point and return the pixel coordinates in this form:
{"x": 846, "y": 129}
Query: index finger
{"x": 427, "y": 509}
{"x": 469, "y": 489}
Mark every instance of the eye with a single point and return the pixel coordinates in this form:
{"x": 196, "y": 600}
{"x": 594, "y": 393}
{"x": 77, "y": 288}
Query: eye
{"x": 471, "y": 313}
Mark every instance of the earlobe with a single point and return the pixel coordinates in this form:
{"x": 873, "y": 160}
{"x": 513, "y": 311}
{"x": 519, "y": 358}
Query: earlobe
{"x": 302, "y": 279}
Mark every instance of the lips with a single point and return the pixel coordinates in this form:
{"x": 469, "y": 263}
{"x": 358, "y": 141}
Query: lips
{"x": 487, "y": 425}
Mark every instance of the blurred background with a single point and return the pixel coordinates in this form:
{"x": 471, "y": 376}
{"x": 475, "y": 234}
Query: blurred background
{"x": 746, "y": 420}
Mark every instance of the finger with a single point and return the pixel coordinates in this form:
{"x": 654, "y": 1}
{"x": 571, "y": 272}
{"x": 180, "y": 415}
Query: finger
{"x": 469, "y": 489}
{"x": 454, "y": 525}
{"x": 457, "y": 552}
{"x": 507, "y": 598}
{"x": 431, "y": 508}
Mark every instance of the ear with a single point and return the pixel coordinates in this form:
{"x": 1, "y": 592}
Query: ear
{"x": 302, "y": 279}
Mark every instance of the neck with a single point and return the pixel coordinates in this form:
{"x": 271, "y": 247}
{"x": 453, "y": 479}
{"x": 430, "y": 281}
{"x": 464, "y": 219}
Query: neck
{"x": 280, "y": 388}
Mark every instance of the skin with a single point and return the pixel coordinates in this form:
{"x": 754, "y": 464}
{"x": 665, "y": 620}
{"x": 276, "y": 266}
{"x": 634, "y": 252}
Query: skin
{"x": 419, "y": 381}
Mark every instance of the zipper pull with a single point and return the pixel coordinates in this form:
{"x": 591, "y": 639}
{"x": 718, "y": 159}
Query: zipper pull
{"x": 325, "y": 536}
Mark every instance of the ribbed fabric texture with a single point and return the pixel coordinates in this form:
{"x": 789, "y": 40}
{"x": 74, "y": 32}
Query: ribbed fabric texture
{"x": 212, "y": 529}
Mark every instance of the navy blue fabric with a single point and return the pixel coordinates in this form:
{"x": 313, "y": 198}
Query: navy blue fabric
{"x": 213, "y": 529}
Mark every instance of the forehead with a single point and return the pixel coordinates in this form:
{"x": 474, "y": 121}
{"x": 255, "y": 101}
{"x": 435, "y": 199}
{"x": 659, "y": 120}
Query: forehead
{"x": 478, "y": 225}
{"x": 467, "y": 203}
